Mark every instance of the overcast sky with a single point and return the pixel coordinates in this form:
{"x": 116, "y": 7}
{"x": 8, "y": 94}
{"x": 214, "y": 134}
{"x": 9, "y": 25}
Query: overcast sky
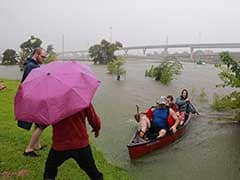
{"x": 133, "y": 22}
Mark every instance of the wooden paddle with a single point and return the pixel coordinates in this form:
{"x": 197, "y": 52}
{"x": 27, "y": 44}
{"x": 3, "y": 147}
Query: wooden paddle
{"x": 137, "y": 109}
{"x": 137, "y": 116}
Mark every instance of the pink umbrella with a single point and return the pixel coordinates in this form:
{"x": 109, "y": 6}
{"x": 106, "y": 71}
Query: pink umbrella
{"x": 55, "y": 91}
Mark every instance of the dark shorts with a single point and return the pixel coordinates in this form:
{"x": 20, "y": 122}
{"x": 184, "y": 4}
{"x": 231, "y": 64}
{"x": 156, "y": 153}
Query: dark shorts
{"x": 27, "y": 125}
{"x": 158, "y": 127}
{"x": 153, "y": 132}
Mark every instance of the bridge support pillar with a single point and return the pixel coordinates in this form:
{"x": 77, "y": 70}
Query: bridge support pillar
{"x": 126, "y": 51}
{"x": 144, "y": 51}
{"x": 191, "y": 54}
{"x": 165, "y": 52}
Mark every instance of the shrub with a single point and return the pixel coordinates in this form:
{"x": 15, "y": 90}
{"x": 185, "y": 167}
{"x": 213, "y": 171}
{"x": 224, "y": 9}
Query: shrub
{"x": 165, "y": 71}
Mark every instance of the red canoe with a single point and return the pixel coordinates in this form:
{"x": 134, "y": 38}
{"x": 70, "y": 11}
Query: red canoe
{"x": 139, "y": 147}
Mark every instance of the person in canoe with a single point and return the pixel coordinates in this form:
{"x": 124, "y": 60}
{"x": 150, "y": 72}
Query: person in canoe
{"x": 174, "y": 107}
{"x": 154, "y": 122}
{"x": 143, "y": 118}
{"x": 184, "y": 105}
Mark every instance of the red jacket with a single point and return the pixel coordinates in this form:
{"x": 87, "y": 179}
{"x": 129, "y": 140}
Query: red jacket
{"x": 71, "y": 133}
{"x": 171, "y": 120}
{"x": 149, "y": 113}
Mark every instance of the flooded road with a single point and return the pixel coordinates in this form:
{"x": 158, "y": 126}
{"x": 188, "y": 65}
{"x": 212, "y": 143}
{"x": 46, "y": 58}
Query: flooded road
{"x": 209, "y": 151}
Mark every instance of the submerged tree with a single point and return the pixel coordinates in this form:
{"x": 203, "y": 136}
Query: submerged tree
{"x": 230, "y": 75}
{"x": 52, "y": 56}
{"x": 230, "y": 70}
{"x": 165, "y": 71}
{"x": 103, "y": 53}
{"x": 116, "y": 67}
{"x": 50, "y": 49}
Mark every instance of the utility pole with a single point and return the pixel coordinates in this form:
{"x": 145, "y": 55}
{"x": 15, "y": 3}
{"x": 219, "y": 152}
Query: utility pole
{"x": 166, "y": 49}
{"x": 167, "y": 40}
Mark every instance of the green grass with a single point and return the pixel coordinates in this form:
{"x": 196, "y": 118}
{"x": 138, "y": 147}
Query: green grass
{"x": 13, "y": 141}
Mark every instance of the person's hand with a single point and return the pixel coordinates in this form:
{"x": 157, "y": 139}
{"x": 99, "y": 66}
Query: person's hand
{"x": 96, "y": 133}
{"x": 137, "y": 117}
{"x": 187, "y": 100}
{"x": 173, "y": 129}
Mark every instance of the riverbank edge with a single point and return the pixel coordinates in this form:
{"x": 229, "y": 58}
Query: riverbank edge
{"x": 13, "y": 141}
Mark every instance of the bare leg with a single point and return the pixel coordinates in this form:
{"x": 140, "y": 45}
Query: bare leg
{"x": 181, "y": 116}
{"x": 144, "y": 123}
{"x": 35, "y": 140}
{"x": 37, "y": 145}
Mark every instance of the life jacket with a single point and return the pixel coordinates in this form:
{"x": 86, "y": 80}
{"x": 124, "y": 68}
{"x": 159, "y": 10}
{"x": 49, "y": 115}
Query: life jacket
{"x": 153, "y": 132}
{"x": 160, "y": 117}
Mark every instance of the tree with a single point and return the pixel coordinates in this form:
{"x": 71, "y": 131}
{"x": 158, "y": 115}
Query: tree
{"x": 27, "y": 48}
{"x": 50, "y": 49}
{"x": 103, "y": 53}
{"x": 115, "y": 67}
{"x": 165, "y": 71}
{"x": 29, "y": 45}
{"x": 52, "y": 56}
{"x": 22, "y": 58}
{"x": 230, "y": 71}
{"x": 9, "y": 57}
{"x": 230, "y": 75}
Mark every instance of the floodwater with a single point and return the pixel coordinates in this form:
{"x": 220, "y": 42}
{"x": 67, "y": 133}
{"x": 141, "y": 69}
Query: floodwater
{"x": 209, "y": 150}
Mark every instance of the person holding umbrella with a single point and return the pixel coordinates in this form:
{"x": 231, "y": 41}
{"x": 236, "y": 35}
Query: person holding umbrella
{"x": 37, "y": 58}
{"x": 70, "y": 140}
{"x": 63, "y": 99}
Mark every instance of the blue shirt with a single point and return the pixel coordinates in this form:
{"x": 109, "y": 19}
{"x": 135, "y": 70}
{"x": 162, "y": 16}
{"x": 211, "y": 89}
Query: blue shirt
{"x": 160, "y": 118}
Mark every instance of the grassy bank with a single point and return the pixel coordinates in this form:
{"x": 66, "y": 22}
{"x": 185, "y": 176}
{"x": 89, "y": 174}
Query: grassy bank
{"x": 13, "y": 140}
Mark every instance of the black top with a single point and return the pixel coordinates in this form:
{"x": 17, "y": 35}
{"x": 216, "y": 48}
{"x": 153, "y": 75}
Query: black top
{"x": 28, "y": 67}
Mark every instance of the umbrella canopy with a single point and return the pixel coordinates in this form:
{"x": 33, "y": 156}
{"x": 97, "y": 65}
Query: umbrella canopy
{"x": 55, "y": 91}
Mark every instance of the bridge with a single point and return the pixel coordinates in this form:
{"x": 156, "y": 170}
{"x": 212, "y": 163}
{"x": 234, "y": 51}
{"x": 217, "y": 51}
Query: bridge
{"x": 83, "y": 54}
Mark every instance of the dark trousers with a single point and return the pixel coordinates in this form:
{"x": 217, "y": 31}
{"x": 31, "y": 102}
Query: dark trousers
{"x": 82, "y": 156}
